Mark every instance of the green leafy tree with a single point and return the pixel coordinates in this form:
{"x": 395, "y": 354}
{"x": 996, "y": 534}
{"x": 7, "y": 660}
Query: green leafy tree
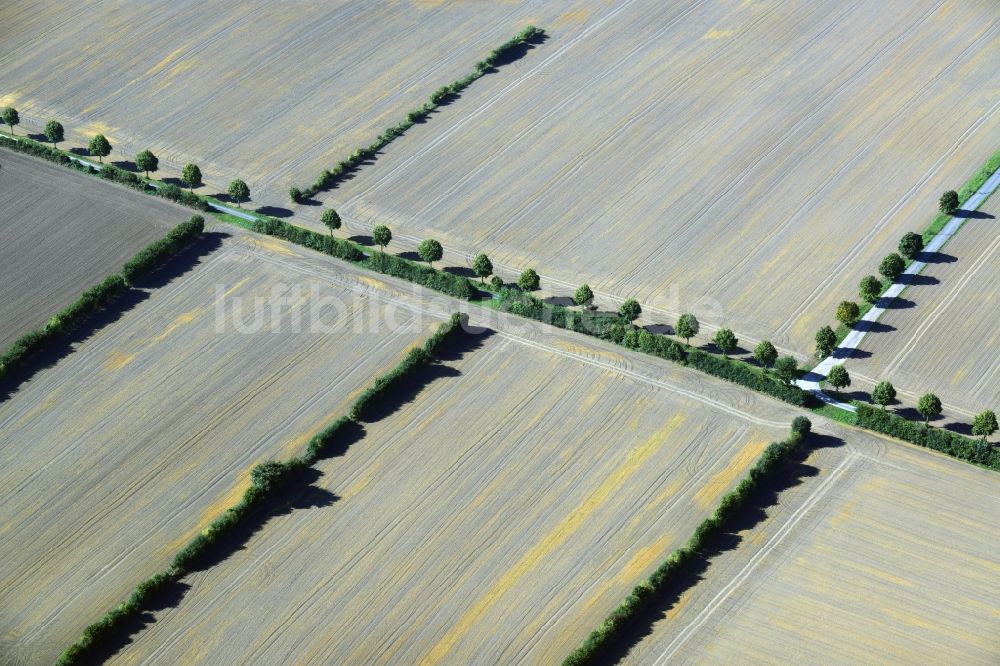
{"x": 848, "y": 312}
{"x": 496, "y": 282}
{"x": 54, "y": 131}
{"x": 630, "y": 309}
{"x": 482, "y": 267}
{"x": 331, "y": 219}
{"x": 787, "y": 369}
{"x": 929, "y": 407}
{"x": 911, "y": 244}
{"x": 583, "y": 295}
{"x": 381, "y": 236}
{"x": 687, "y": 327}
{"x": 826, "y": 341}
{"x": 725, "y": 340}
{"x": 892, "y": 266}
{"x": 240, "y": 191}
{"x": 984, "y": 424}
{"x": 884, "y": 393}
{"x": 295, "y": 194}
{"x": 99, "y": 147}
{"x": 11, "y": 118}
{"x": 870, "y": 289}
{"x": 765, "y": 353}
{"x": 838, "y": 377}
{"x": 191, "y": 175}
{"x": 948, "y": 203}
{"x": 147, "y": 161}
{"x": 430, "y": 250}
{"x": 528, "y": 280}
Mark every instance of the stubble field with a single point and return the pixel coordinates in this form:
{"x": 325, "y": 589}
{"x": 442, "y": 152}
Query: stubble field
{"x": 114, "y": 458}
{"x": 884, "y": 553}
{"x": 945, "y": 337}
{"x": 62, "y": 232}
{"x": 495, "y": 518}
{"x": 747, "y": 161}
{"x": 272, "y": 93}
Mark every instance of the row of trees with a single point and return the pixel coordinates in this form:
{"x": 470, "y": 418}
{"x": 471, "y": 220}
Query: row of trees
{"x": 145, "y": 160}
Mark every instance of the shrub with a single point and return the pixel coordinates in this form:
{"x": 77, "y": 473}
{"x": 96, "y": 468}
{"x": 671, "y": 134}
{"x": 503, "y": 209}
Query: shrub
{"x": 630, "y": 310}
{"x": 295, "y": 194}
{"x": 802, "y": 426}
{"x": 496, "y": 282}
{"x": 528, "y": 280}
{"x": 583, "y": 295}
{"x": 453, "y": 285}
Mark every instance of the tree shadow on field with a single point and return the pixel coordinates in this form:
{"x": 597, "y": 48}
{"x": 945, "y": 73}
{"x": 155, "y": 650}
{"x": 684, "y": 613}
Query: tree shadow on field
{"x": 764, "y": 496}
{"x": 461, "y": 271}
{"x": 873, "y": 327}
{"x": 362, "y": 239}
{"x": 63, "y": 345}
{"x": 406, "y": 390}
{"x": 937, "y": 258}
{"x": 564, "y": 301}
{"x": 127, "y": 165}
{"x": 972, "y": 214}
{"x": 274, "y": 211}
{"x": 662, "y": 329}
{"x": 958, "y": 427}
{"x": 894, "y": 303}
{"x": 841, "y": 353}
{"x": 917, "y": 280}
{"x": 297, "y": 493}
{"x": 409, "y": 256}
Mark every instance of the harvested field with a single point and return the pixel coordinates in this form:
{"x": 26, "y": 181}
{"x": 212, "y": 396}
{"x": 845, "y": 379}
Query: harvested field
{"x": 493, "y": 519}
{"x": 882, "y": 554}
{"x": 61, "y": 232}
{"x": 747, "y": 161}
{"x": 268, "y": 92}
{"x": 114, "y": 458}
{"x": 945, "y": 337}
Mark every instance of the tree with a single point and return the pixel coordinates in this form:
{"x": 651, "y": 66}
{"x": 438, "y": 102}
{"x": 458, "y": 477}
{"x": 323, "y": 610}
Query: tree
{"x": 191, "y": 175}
{"x": 838, "y": 377}
{"x": 892, "y": 266}
{"x": 687, "y": 327}
{"x": 295, "y": 194}
{"x": 331, "y": 219}
{"x": 884, "y": 393}
{"x": 948, "y": 203}
{"x": 239, "y": 191}
{"x": 826, "y": 341}
{"x": 583, "y": 295}
{"x": 911, "y": 244}
{"x": 430, "y": 250}
{"x": 630, "y": 309}
{"x": 801, "y": 425}
{"x": 100, "y": 147}
{"x": 725, "y": 340}
{"x": 528, "y": 280}
{"x": 787, "y": 369}
{"x": 870, "y": 289}
{"x": 54, "y": 131}
{"x": 497, "y": 282}
{"x": 765, "y": 353}
{"x": 482, "y": 267}
{"x": 11, "y": 118}
{"x": 984, "y": 424}
{"x": 147, "y": 161}
{"x": 929, "y": 407}
{"x": 381, "y": 236}
{"x": 848, "y": 312}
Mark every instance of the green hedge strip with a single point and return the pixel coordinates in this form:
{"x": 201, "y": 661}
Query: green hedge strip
{"x": 265, "y": 480}
{"x": 100, "y": 295}
{"x": 594, "y": 647}
{"x": 975, "y": 451}
{"x": 622, "y": 332}
{"x": 440, "y": 96}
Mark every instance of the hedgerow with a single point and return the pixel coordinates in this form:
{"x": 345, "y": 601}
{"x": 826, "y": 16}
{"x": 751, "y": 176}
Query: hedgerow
{"x": 308, "y": 238}
{"x": 443, "y": 281}
{"x": 970, "y": 450}
{"x": 267, "y": 479}
{"x": 100, "y": 295}
{"x": 594, "y": 647}
{"x": 440, "y": 96}
{"x": 153, "y": 256}
{"x": 619, "y": 330}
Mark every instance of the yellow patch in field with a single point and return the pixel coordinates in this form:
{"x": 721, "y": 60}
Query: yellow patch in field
{"x": 719, "y": 34}
{"x": 566, "y": 528}
{"x": 160, "y": 66}
{"x": 578, "y": 15}
{"x": 9, "y": 99}
{"x": 644, "y": 558}
{"x": 709, "y": 493}
{"x": 118, "y": 360}
{"x": 274, "y": 246}
{"x": 681, "y": 602}
{"x": 182, "y": 320}
{"x": 958, "y": 376}
{"x": 229, "y": 499}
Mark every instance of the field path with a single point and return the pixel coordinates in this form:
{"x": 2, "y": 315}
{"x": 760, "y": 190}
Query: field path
{"x": 811, "y": 381}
